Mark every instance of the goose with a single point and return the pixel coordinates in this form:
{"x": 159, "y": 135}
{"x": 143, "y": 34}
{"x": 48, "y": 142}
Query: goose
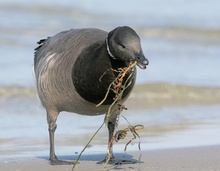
{"x": 74, "y": 69}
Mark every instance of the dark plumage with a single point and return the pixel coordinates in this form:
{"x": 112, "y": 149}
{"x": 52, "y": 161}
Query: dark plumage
{"x": 73, "y": 70}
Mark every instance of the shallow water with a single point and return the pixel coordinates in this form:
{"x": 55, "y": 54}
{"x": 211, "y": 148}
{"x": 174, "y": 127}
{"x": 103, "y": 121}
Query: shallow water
{"x": 181, "y": 41}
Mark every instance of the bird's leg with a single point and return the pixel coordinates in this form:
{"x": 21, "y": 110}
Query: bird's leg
{"x": 51, "y": 119}
{"x": 51, "y": 129}
{"x": 110, "y": 159}
{"x": 111, "y": 128}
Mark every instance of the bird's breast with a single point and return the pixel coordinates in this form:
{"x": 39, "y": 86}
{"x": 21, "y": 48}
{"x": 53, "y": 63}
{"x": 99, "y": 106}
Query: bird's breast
{"x": 93, "y": 81}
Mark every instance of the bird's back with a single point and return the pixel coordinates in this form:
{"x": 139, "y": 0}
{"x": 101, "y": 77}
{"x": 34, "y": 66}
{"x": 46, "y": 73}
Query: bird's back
{"x": 73, "y": 40}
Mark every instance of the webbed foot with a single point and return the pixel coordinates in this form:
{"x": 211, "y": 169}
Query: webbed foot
{"x": 114, "y": 161}
{"x": 55, "y": 161}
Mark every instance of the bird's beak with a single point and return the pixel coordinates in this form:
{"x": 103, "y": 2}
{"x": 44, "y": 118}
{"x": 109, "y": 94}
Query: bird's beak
{"x": 142, "y": 61}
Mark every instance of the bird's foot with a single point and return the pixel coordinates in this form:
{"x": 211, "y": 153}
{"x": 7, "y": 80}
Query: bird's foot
{"x": 55, "y": 161}
{"x": 114, "y": 161}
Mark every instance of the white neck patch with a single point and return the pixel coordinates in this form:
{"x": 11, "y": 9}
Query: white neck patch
{"x": 109, "y": 52}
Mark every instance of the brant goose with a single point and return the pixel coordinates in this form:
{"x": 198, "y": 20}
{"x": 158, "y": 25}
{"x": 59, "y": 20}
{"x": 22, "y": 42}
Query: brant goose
{"x": 74, "y": 69}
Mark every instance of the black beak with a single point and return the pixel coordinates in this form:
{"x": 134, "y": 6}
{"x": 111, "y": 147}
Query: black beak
{"x": 142, "y": 61}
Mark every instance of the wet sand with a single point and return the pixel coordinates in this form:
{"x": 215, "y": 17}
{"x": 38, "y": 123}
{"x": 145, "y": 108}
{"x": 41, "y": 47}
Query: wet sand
{"x": 204, "y": 158}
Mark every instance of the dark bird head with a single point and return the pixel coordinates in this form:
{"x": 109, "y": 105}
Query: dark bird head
{"x": 123, "y": 44}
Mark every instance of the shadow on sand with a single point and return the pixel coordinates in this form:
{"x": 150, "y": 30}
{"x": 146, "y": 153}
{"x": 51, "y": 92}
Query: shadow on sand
{"x": 92, "y": 157}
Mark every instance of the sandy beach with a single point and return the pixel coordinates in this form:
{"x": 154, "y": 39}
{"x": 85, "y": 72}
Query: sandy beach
{"x": 204, "y": 158}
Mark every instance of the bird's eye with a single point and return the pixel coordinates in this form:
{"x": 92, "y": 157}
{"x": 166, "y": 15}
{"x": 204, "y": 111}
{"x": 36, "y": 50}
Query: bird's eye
{"x": 123, "y": 46}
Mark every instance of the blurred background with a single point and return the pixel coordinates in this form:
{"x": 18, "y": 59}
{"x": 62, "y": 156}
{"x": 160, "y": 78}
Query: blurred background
{"x": 178, "y": 95}
{"x": 180, "y": 38}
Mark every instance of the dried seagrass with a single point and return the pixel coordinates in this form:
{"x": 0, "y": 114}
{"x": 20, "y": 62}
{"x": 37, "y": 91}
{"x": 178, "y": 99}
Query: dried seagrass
{"x": 118, "y": 88}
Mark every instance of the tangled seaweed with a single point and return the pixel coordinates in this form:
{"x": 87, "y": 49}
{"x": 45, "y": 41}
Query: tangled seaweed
{"x": 121, "y": 134}
{"x": 118, "y": 88}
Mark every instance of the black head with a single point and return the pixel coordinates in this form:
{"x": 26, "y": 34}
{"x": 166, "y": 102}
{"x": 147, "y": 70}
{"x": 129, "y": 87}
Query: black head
{"x": 123, "y": 44}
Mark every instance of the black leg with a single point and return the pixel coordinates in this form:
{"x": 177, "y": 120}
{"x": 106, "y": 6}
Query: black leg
{"x": 110, "y": 159}
{"x": 52, "y": 129}
{"x": 111, "y": 128}
{"x": 51, "y": 119}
